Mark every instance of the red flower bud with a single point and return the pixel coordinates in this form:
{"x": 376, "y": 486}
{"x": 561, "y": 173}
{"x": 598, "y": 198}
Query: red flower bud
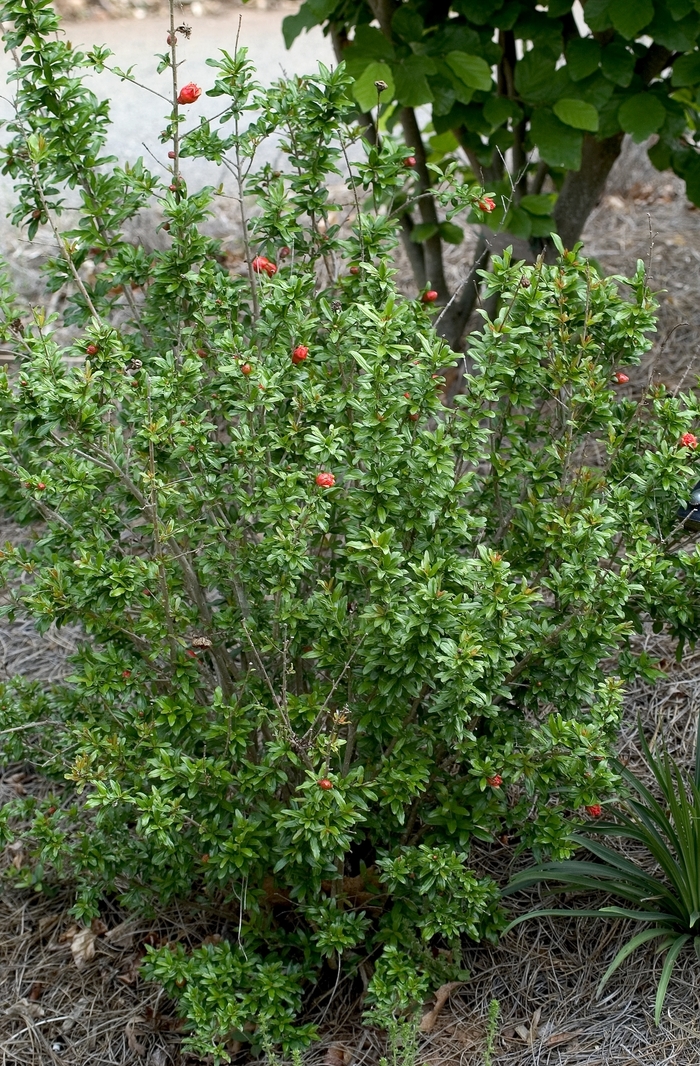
{"x": 429, "y": 297}
{"x": 189, "y": 93}
{"x": 51, "y": 810}
{"x": 286, "y": 251}
{"x": 40, "y": 486}
{"x": 486, "y": 204}
{"x": 496, "y": 781}
{"x": 407, "y": 395}
{"x": 246, "y": 369}
{"x": 171, "y": 155}
{"x": 354, "y": 270}
{"x": 325, "y": 784}
{"x": 414, "y": 416}
{"x": 91, "y": 349}
{"x": 689, "y": 440}
{"x": 621, "y": 378}
{"x": 595, "y": 810}
{"x": 325, "y": 479}
{"x": 409, "y": 161}
{"x": 126, "y": 674}
{"x": 202, "y": 353}
{"x": 300, "y": 353}
{"x": 173, "y": 188}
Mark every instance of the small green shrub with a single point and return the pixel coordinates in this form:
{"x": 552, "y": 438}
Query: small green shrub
{"x": 334, "y": 632}
{"x": 670, "y": 899}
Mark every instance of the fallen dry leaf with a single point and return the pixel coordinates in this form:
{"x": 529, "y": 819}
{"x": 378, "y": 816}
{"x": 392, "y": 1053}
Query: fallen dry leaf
{"x": 122, "y": 935}
{"x": 337, "y": 1055}
{"x": 98, "y": 927}
{"x": 442, "y": 995}
{"x": 26, "y": 1009}
{"x": 134, "y": 1043}
{"x": 557, "y": 1039}
{"x": 82, "y": 947}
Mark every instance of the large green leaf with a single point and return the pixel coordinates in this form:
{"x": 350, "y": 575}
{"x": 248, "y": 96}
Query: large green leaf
{"x": 451, "y": 233}
{"x": 472, "y": 70}
{"x": 629, "y": 17}
{"x": 407, "y": 24}
{"x": 477, "y": 11}
{"x": 577, "y": 113}
{"x": 535, "y": 76}
{"x": 686, "y": 70}
{"x": 368, "y": 44}
{"x": 677, "y": 36}
{"x": 304, "y": 19}
{"x": 412, "y": 87}
{"x": 679, "y": 8}
{"x": 498, "y": 109}
{"x": 539, "y": 204}
{"x": 558, "y": 144}
{"x": 365, "y": 91}
{"x": 423, "y": 232}
{"x": 641, "y": 115}
{"x": 618, "y": 64}
{"x": 582, "y": 57}
{"x": 597, "y": 15}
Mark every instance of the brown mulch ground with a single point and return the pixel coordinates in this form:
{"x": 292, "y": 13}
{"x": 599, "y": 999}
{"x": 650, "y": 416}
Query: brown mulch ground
{"x": 544, "y": 974}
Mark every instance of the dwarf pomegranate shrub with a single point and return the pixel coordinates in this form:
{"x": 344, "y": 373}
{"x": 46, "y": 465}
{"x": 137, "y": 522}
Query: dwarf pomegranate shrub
{"x": 334, "y": 633}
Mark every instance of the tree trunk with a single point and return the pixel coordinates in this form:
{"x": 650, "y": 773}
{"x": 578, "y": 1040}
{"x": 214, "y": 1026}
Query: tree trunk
{"x": 432, "y": 248}
{"x": 582, "y": 189}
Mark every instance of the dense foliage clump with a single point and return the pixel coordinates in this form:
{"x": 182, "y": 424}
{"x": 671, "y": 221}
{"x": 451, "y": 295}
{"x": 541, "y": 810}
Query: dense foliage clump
{"x": 334, "y": 631}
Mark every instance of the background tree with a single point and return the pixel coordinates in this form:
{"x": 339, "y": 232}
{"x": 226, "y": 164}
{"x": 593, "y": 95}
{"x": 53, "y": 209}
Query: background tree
{"x": 538, "y": 101}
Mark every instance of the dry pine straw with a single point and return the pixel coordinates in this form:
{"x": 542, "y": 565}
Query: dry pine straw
{"x": 544, "y": 974}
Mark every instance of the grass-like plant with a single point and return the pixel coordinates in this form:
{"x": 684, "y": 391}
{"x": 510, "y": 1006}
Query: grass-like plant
{"x": 667, "y": 899}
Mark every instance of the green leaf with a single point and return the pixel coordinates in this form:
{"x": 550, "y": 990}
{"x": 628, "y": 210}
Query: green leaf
{"x": 535, "y": 76}
{"x": 407, "y": 24}
{"x": 472, "y": 70}
{"x": 597, "y": 16}
{"x": 677, "y": 36}
{"x": 618, "y": 64}
{"x": 539, "y": 203}
{"x": 365, "y": 91}
{"x": 558, "y": 144}
{"x": 519, "y": 223}
{"x": 577, "y": 113}
{"x": 477, "y": 11}
{"x": 679, "y": 8}
{"x": 443, "y": 143}
{"x": 451, "y": 233}
{"x": 669, "y": 963}
{"x": 542, "y": 226}
{"x": 368, "y": 44}
{"x": 631, "y": 945}
{"x": 629, "y": 17}
{"x": 582, "y": 57}
{"x": 412, "y": 87}
{"x": 312, "y": 13}
{"x": 557, "y": 8}
{"x": 498, "y": 109}
{"x": 506, "y": 18}
{"x": 641, "y": 115}
{"x": 686, "y": 70}
{"x": 423, "y": 232}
